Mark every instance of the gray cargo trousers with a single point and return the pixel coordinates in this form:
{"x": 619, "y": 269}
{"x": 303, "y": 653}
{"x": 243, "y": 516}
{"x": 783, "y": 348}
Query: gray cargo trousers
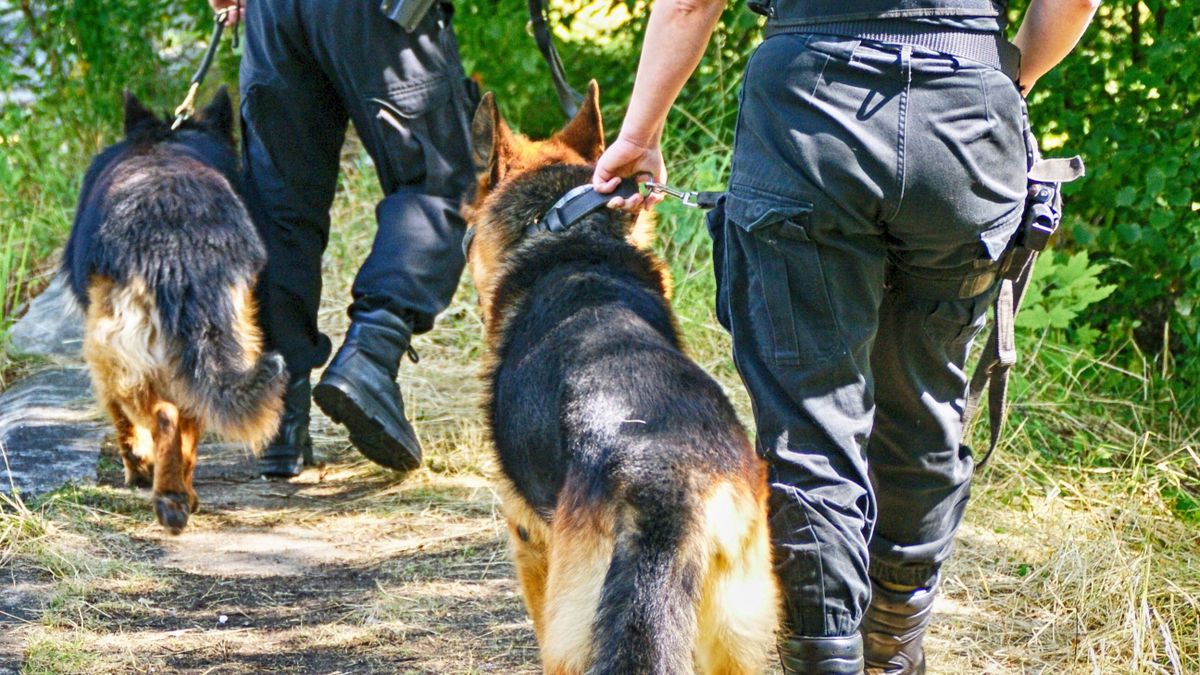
{"x": 873, "y": 189}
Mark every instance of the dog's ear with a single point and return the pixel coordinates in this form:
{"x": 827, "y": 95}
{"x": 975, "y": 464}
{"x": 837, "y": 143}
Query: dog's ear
{"x": 218, "y": 114}
{"x": 492, "y": 141}
{"x": 585, "y": 132}
{"x": 136, "y": 114}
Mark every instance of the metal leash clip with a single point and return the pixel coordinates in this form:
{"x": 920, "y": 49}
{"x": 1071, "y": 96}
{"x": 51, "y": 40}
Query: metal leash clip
{"x": 691, "y": 198}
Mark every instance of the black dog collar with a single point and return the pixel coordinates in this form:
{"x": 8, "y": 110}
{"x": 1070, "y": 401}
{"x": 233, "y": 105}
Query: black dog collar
{"x": 579, "y": 203}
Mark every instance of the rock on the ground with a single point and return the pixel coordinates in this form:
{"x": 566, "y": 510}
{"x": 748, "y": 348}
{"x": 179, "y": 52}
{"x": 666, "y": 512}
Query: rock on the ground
{"x": 53, "y": 326}
{"x": 50, "y": 432}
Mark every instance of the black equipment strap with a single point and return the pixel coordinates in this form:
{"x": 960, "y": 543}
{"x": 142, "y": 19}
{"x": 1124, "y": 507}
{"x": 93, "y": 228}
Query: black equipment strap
{"x": 569, "y": 99}
{"x": 1043, "y": 212}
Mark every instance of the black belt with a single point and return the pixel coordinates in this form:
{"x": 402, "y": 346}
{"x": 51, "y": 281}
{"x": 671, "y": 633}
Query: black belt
{"x": 990, "y": 49}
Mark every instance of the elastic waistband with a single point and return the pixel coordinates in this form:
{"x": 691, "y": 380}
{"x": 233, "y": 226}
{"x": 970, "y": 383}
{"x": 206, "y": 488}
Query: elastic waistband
{"x": 990, "y": 49}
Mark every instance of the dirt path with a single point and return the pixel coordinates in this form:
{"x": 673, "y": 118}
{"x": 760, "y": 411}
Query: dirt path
{"x": 341, "y": 570}
{"x": 351, "y": 569}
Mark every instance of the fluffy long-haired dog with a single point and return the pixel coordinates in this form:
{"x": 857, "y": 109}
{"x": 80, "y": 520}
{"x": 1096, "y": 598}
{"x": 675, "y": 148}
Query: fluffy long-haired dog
{"x": 162, "y": 257}
{"x": 635, "y": 503}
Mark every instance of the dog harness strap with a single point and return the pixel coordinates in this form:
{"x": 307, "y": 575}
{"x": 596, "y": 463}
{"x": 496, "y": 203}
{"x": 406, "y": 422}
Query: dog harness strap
{"x": 580, "y": 203}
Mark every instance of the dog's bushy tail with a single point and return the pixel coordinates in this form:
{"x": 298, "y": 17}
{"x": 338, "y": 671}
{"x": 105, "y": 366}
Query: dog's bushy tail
{"x": 646, "y": 622}
{"x": 235, "y": 387}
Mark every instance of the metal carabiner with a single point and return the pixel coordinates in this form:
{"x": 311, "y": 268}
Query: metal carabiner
{"x": 694, "y": 199}
{"x": 687, "y": 197}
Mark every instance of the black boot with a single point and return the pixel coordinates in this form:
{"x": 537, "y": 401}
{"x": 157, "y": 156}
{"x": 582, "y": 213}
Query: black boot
{"x": 359, "y": 390}
{"x": 821, "y": 656}
{"x": 291, "y": 449}
{"x": 894, "y": 627}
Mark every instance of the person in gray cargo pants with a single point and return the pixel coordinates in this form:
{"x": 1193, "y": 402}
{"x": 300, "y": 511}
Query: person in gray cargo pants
{"x": 309, "y": 68}
{"x": 879, "y": 171}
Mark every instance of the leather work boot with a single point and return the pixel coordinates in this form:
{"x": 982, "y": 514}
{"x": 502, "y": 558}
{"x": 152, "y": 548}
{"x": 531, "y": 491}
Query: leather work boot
{"x": 291, "y": 449}
{"x": 821, "y": 656}
{"x": 894, "y": 627}
{"x": 359, "y": 390}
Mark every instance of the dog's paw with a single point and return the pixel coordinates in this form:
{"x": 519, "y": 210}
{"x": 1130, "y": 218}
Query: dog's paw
{"x": 138, "y": 474}
{"x": 139, "y": 479}
{"x": 172, "y": 510}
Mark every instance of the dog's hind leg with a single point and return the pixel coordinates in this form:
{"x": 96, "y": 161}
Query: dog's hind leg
{"x": 189, "y": 438}
{"x": 135, "y": 445}
{"x": 581, "y": 549}
{"x": 739, "y": 607}
{"x": 171, "y": 499}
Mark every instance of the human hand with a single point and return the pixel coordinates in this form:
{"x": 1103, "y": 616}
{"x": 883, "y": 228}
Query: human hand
{"x": 234, "y": 7}
{"x": 626, "y": 158}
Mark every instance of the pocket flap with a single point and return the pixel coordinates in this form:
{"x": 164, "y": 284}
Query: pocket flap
{"x": 415, "y": 99}
{"x": 755, "y": 214}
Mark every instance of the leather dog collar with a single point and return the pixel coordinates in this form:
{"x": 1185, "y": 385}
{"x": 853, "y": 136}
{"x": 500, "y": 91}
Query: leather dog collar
{"x": 578, "y": 203}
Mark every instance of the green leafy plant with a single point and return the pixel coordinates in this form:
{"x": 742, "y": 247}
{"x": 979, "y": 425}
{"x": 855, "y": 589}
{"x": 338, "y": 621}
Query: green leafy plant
{"x": 1063, "y": 286}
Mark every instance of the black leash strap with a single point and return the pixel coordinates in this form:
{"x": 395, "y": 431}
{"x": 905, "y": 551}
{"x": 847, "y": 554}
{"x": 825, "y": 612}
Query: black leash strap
{"x": 1043, "y": 212}
{"x": 580, "y": 203}
{"x": 188, "y": 107}
{"x": 568, "y": 99}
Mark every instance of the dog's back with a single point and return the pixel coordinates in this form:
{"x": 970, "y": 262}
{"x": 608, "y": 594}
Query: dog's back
{"x": 636, "y": 504}
{"x": 163, "y": 257}
{"x": 636, "y": 461}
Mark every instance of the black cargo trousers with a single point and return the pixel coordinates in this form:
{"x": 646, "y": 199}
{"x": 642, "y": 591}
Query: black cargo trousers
{"x": 873, "y": 189}
{"x": 308, "y": 67}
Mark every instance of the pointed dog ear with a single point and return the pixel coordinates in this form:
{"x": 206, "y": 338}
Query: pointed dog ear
{"x": 218, "y": 114}
{"x": 585, "y": 132}
{"x": 136, "y": 114}
{"x": 492, "y": 142}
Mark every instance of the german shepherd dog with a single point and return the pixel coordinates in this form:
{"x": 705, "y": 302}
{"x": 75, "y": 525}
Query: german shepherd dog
{"x": 163, "y": 257}
{"x": 635, "y": 502}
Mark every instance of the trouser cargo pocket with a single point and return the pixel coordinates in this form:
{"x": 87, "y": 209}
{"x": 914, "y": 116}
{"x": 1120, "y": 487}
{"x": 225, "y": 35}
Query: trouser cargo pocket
{"x": 790, "y": 307}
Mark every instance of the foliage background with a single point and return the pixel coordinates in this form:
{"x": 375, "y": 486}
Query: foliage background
{"x": 1108, "y": 389}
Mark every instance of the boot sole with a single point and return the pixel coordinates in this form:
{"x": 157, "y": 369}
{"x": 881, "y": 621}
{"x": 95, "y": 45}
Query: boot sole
{"x": 367, "y": 434}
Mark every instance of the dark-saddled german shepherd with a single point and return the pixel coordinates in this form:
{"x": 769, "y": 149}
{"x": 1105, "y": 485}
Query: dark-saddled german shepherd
{"x": 635, "y": 502}
{"x": 163, "y": 257}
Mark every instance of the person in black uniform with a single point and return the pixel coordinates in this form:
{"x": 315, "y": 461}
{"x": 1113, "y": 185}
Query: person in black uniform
{"x": 308, "y": 68}
{"x": 879, "y": 170}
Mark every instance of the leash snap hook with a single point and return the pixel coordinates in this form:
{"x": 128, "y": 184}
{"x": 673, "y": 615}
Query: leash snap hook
{"x": 693, "y": 199}
{"x": 687, "y": 197}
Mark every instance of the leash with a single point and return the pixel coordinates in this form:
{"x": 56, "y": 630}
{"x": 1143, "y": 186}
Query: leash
{"x": 568, "y": 98}
{"x": 188, "y": 108}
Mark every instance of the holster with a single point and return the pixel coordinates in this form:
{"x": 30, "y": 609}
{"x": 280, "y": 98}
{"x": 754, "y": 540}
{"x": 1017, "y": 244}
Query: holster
{"x": 407, "y": 13}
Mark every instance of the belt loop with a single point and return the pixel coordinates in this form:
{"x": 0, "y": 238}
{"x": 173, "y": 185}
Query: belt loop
{"x": 906, "y": 63}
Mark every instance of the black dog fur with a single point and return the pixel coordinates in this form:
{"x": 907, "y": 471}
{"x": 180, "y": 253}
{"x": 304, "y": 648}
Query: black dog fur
{"x": 149, "y": 211}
